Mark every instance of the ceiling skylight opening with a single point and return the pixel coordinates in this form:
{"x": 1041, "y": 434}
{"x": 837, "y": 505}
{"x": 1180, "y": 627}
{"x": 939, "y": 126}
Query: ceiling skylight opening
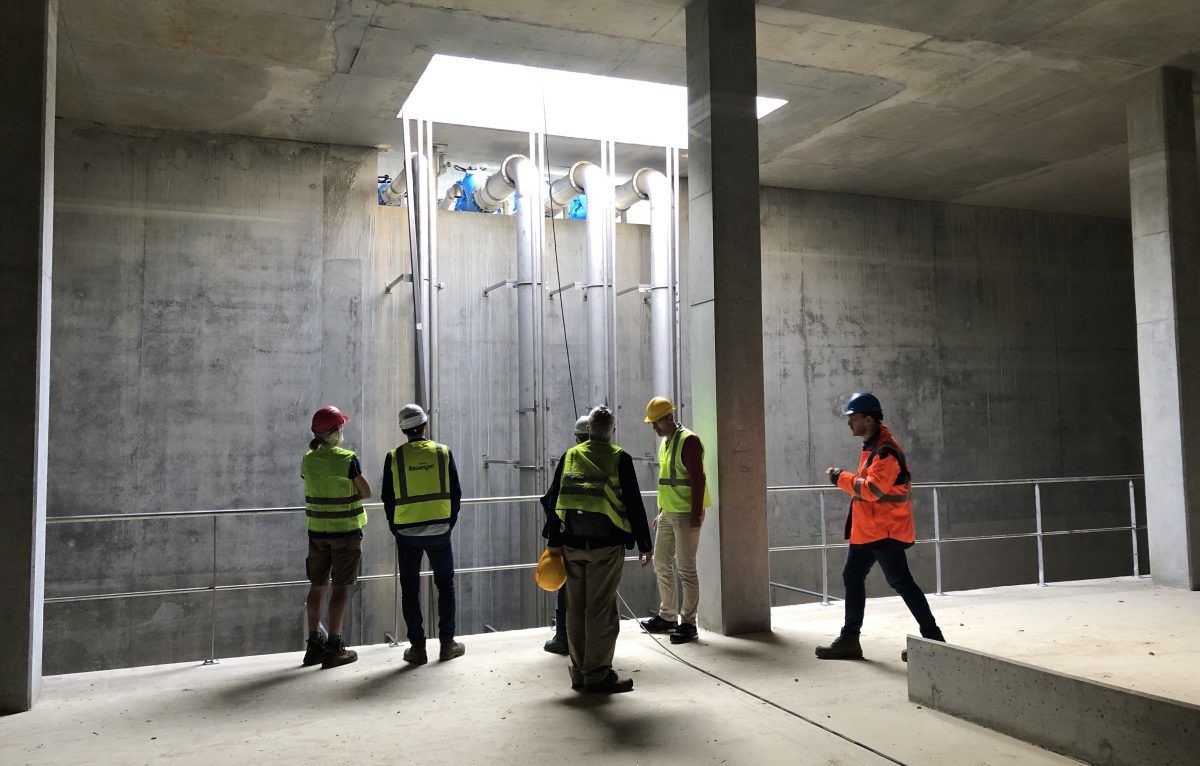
{"x": 488, "y": 94}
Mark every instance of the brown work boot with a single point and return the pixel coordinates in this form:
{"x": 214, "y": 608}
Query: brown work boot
{"x": 336, "y": 653}
{"x": 450, "y": 650}
{"x": 842, "y": 648}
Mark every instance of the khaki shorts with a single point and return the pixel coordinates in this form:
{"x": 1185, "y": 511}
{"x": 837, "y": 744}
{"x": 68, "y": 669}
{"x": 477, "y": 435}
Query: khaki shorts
{"x": 338, "y": 557}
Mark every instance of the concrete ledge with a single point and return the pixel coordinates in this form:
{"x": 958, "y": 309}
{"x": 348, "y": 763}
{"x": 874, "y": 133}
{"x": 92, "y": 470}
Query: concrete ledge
{"x": 1088, "y": 720}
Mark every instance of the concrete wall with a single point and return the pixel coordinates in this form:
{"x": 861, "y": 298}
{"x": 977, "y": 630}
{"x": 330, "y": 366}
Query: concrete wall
{"x": 211, "y": 292}
{"x": 1002, "y": 345}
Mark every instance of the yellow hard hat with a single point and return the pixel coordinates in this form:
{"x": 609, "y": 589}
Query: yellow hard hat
{"x": 551, "y": 570}
{"x": 658, "y": 407}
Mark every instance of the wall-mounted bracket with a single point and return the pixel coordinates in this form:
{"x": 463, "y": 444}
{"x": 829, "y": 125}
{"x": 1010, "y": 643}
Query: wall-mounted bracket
{"x": 498, "y": 285}
{"x": 564, "y": 288}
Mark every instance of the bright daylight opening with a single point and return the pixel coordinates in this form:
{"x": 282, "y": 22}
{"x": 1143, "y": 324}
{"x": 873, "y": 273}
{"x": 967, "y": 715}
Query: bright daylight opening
{"x": 488, "y": 94}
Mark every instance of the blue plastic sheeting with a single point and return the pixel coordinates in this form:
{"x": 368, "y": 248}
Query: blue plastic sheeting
{"x": 577, "y": 210}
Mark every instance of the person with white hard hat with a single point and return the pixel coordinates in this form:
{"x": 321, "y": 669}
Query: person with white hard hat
{"x": 334, "y": 488}
{"x": 682, "y": 498}
{"x": 558, "y": 644}
{"x": 422, "y": 496}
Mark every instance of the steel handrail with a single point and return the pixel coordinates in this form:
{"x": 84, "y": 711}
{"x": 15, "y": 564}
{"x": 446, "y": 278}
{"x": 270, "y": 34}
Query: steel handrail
{"x": 824, "y": 546}
{"x": 511, "y": 499}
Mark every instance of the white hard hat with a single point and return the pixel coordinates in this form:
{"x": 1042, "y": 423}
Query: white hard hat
{"x": 411, "y": 416}
{"x": 581, "y": 426}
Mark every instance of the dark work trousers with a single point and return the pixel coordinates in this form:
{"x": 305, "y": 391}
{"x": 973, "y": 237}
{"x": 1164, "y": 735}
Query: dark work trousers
{"x": 441, "y": 560}
{"x": 560, "y": 615}
{"x": 890, "y": 555}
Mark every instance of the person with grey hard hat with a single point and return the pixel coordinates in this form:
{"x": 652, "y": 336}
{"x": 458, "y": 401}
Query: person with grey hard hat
{"x": 558, "y": 644}
{"x": 600, "y": 514}
{"x": 879, "y": 527}
{"x": 422, "y": 496}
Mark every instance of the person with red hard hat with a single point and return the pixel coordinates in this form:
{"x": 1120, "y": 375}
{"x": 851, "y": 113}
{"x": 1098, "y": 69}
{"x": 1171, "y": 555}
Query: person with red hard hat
{"x": 879, "y": 527}
{"x": 334, "y": 488}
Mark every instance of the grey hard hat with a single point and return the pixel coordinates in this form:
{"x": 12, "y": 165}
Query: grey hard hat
{"x": 581, "y": 426}
{"x": 411, "y": 416}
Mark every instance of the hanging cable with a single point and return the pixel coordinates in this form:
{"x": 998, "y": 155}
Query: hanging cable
{"x": 562, "y": 309}
{"x": 758, "y": 697}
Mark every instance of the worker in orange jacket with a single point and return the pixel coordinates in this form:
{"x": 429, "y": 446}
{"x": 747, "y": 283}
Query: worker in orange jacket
{"x": 879, "y": 527}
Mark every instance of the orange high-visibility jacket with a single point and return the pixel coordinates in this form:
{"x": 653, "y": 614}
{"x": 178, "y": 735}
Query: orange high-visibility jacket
{"x": 879, "y": 506}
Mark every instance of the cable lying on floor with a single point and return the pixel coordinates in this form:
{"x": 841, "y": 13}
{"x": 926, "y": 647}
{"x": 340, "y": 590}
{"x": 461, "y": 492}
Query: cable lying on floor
{"x": 758, "y": 697}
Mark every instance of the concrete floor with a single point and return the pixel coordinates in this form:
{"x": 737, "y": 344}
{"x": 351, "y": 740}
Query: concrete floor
{"x": 506, "y": 701}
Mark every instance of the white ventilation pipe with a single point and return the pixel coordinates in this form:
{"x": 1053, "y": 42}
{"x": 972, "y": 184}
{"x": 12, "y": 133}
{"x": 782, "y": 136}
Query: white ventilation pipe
{"x": 518, "y": 173}
{"x": 587, "y": 178}
{"x": 395, "y": 191}
{"x": 654, "y": 186}
{"x": 453, "y": 194}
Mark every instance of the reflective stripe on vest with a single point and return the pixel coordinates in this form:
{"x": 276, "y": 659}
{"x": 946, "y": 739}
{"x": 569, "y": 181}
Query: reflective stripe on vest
{"x": 590, "y": 483}
{"x": 331, "y": 501}
{"x": 674, "y": 484}
{"x": 421, "y": 482}
{"x": 888, "y": 516}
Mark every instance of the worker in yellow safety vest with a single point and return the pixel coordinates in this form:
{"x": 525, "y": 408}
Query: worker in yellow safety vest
{"x": 421, "y": 495}
{"x": 558, "y": 644}
{"x": 599, "y": 510}
{"x": 682, "y": 498}
{"x": 334, "y": 488}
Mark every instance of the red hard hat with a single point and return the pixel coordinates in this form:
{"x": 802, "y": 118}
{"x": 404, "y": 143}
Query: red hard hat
{"x": 327, "y": 419}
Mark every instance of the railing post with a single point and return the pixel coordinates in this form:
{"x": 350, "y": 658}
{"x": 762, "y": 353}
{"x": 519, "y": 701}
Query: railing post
{"x": 396, "y": 592}
{"x": 1037, "y": 499}
{"x": 824, "y": 555}
{"x": 1133, "y": 529}
{"x": 937, "y": 542}
{"x": 212, "y": 615}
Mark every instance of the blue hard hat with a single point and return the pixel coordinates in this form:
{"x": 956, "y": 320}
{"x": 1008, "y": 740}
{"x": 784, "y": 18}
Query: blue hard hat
{"x": 862, "y": 402}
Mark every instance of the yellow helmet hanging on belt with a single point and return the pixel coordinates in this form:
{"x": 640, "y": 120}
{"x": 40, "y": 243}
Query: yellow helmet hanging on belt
{"x": 551, "y": 570}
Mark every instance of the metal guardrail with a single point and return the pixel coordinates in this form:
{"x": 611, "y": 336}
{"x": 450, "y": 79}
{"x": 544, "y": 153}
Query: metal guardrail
{"x": 824, "y": 546}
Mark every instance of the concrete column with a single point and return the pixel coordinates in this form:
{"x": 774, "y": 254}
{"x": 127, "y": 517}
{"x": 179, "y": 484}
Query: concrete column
{"x": 27, "y": 56}
{"x": 1165, "y": 199}
{"x": 725, "y": 294}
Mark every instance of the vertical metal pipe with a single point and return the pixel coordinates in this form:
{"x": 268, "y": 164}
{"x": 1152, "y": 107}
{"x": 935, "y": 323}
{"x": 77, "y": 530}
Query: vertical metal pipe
{"x": 212, "y": 614}
{"x": 524, "y": 177}
{"x": 611, "y": 290}
{"x": 662, "y": 327}
{"x": 824, "y": 555}
{"x": 594, "y": 183}
{"x": 1037, "y": 499}
{"x": 937, "y": 542}
{"x": 1133, "y": 529}
{"x": 431, "y": 210}
{"x": 677, "y": 332}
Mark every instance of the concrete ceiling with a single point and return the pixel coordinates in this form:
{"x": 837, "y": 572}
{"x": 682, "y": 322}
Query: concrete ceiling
{"x": 1013, "y": 103}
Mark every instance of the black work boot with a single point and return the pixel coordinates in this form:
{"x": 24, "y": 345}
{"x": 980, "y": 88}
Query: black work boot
{"x": 657, "y": 624}
{"x": 415, "y": 655}
{"x": 336, "y": 653}
{"x": 450, "y": 650}
{"x": 314, "y": 654}
{"x": 612, "y": 684}
{"x": 684, "y": 633}
{"x": 557, "y": 645}
{"x": 842, "y": 648}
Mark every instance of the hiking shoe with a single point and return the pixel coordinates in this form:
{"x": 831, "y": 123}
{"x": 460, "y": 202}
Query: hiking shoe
{"x": 314, "y": 653}
{"x": 336, "y": 654}
{"x": 842, "y": 648}
{"x": 557, "y": 645}
{"x": 684, "y": 633}
{"x": 415, "y": 655}
{"x": 657, "y": 624}
{"x": 612, "y": 684}
{"x": 450, "y": 650}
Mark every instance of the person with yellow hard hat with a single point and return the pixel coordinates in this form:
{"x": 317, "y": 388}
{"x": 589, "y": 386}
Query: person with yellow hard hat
{"x": 600, "y": 514}
{"x": 682, "y": 498}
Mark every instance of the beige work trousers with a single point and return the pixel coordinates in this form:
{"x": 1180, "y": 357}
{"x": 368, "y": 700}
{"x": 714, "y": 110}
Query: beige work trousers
{"x": 592, "y": 620}
{"x": 676, "y": 543}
